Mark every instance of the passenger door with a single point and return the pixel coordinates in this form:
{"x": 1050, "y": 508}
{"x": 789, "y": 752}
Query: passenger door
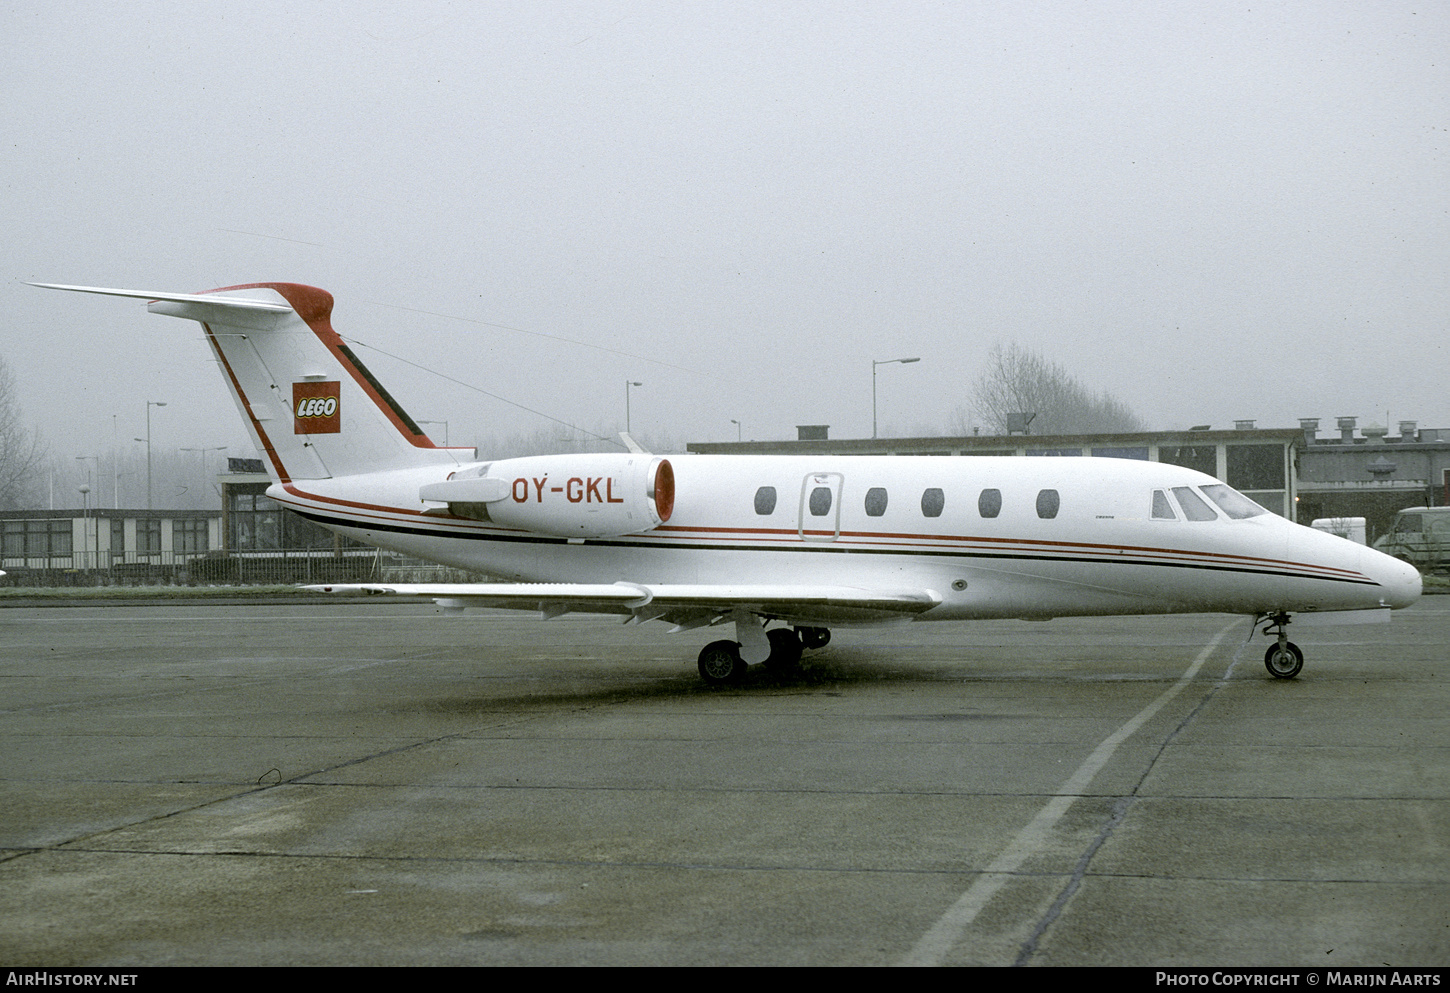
{"x": 820, "y": 508}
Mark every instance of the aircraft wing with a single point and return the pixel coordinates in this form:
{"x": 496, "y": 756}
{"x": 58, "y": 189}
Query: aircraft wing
{"x": 684, "y": 605}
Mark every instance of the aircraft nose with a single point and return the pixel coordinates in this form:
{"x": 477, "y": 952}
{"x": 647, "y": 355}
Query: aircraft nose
{"x": 1400, "y": 582}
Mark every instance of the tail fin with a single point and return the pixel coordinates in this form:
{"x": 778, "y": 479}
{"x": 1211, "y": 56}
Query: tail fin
{"x": 312, "y": 407}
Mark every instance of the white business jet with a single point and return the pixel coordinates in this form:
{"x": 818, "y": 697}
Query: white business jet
{"x": 810, "y": 542}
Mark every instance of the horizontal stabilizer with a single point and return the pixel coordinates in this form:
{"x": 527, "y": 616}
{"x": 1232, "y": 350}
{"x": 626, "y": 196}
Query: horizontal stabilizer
{"x": 313, "y": 409}
{"x": 232, "y": 303}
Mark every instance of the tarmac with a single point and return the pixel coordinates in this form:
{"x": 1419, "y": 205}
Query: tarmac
{"x": 378, "y": 784}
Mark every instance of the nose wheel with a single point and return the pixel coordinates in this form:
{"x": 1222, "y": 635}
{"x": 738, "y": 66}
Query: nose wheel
{"x": 1283, "y": 659}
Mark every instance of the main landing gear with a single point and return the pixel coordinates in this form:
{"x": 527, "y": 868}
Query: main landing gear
{"x": 1283, "y": 659}
{"x": 721, "y": 664}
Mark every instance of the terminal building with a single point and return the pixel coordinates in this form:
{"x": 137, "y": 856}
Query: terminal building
{"x": 1293, "y": 472}
{"x": 1370, "y": 472}
{"x": 251, "y": 538}
{"x": 1299, "y": 473}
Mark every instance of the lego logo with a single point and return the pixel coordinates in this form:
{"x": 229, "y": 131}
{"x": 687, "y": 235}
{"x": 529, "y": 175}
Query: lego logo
{"x": 317, "y": 407}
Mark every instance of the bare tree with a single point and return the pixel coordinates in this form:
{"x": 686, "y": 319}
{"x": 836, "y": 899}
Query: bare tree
{"x": 1017, "y": 380}
{"x": 21, "y": 452}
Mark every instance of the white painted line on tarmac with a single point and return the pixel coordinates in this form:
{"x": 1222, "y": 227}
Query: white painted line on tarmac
{"x": 934, "y": 946}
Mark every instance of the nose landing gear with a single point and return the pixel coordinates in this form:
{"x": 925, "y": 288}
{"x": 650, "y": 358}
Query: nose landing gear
{"x": 1283, "y": 659}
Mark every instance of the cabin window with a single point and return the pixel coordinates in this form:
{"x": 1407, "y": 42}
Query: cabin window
{"x": 1232, "y": 502}
{"x": 989, "y": 503}
{"x": 875, "y": 501}
{"x": 932, "y": 502}
{"x": 1162, "y": 509}
{"x": 820, "y": 501}
{"x": 765, "y": 501}
{"x": 1193, "y": 505}
{"x": 1047, "y": 503}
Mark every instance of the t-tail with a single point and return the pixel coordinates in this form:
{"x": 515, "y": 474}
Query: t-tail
{"x": 313, "y": 408}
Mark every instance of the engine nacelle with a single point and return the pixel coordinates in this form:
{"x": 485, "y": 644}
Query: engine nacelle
{"x": 570, "y": 496}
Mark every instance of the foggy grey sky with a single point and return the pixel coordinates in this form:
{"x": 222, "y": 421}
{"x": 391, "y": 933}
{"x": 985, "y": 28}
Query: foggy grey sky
{"x": 1213, "y": 211}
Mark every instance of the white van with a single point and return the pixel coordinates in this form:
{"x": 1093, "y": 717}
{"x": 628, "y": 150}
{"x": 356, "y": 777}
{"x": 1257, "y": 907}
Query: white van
{"x": 1421, "y": 536}
{"x": 1352, "y": 528}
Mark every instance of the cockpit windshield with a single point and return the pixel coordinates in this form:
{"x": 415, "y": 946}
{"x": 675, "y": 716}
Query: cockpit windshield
{"x": 1232, "y": 502}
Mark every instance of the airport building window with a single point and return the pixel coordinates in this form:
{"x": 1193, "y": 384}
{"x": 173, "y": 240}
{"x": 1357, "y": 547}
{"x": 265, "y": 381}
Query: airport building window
{"x": 1140, "y": 453}
{"x": 1203, "y": 458}
{"x": 148, "y": 536}
{"x": 932, "y": 502}
{"x": 765, "y": 501}
{"x": 1194, "y": 507}
{"x": 37, "y": 539}
{"x": 257, "y": 523}
{"x": 1048, "y": 503}
{"x": 1053, "y": 451}
{"x": 118, "y": 536}
{"x": 989, "y": 503}
{"x": 1255, "y": 467}
{"x": 188, "y": 535}
{"x": 875, "y": 501}
{"x": 820, "y": 501}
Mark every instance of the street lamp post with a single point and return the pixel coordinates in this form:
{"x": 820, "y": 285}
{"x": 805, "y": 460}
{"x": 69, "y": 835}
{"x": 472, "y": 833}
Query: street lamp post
{"x": 85, "y": 492}
{"x": 738, "y": 428}
{"x": 627, "y": 384}
{"x": 149, "y": 405}
{"x": 874, "y": 364}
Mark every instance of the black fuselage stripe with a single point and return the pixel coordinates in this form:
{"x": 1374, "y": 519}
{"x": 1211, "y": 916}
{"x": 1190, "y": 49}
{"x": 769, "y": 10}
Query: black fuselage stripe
{"x": 826, "y": 547}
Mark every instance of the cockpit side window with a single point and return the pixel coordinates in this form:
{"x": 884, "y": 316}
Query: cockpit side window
{"x": 1194, "y": 507}
{"x": 1162, "y": 508}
